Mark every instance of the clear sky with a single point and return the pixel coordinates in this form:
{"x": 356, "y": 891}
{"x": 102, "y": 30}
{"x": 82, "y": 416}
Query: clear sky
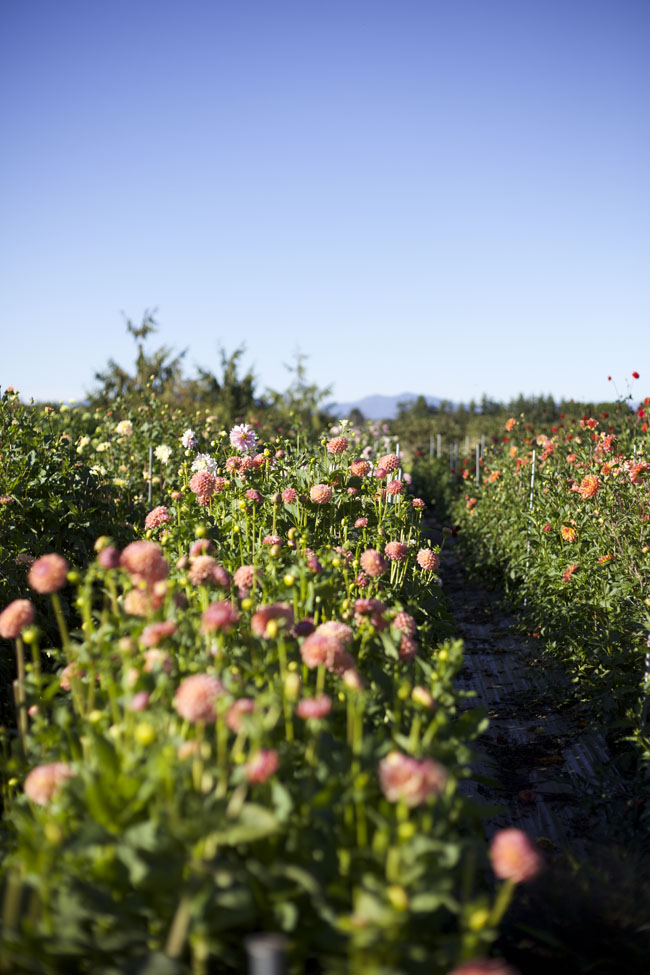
{"x": 450, "y": 197}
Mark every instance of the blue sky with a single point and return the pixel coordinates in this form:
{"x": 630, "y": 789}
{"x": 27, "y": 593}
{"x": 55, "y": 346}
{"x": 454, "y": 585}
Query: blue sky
{"x": 450, "y": 198}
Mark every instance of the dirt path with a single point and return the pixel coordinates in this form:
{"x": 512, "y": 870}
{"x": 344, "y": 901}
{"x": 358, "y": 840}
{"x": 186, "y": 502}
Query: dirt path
{"x": 543, "y": 767}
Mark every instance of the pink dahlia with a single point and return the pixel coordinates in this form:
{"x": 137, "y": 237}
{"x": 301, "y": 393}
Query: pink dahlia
{"x": 200, "y": 547}
{"x": 337, "y": 629}
{"x": 314, "y": 707}
{"x": 321, "y": 493}
{"x": 237, "y": 710}
{"x": 243, "y": 438}
{"x": 155, "y": 632}
{"x": 202, "y": 484}
{"x": 405, "y": 623}
{"x": 48, "y": 574}
{"x": 289, "y": 495}
{"x": 206, "y": 571}
{"x": 144, "y": 561}
{"x": 279, "y": 612}
{"x": 361, "y": 523}
{"x": 262, "y": 766}
{"x": 221, "y": 615}
{"x": 372, "y": 563}
{"x": 196, "y": 698}
{"x": 360, "y": 468}
{"x": 233, "y": 464}
{"x": 408, "y": 647}
{"x": 513, "y": 856}
{"x": 390, "y": 462}
{"x": 418, "y": 503}
{"x": 109, "y": 557}
{"x": 394, "y": 488}
{"x": 411, "y": 780}
{"x": 485, "y": 966}
{"x": 271, "y": 540}
{"x": 396, "y": 551}
{"x": 139, "y": 701}
{"x": 44, "y": 780}
{"x": 428, "y": 560}
{"x": 157, "y": 517}
{"x": 155, "y": 658}
{"x": 245, "y": 577}
{"x": 15, "y": 617}
{"x": 352, "y": 679}
{"x": 337, "y": 445}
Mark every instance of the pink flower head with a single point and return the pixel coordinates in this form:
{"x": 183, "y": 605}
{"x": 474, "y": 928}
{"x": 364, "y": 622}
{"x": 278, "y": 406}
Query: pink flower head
{"x": 513, "y": 856}
{"x": 277, "y": 611}
{"x": 337, "y": 445}
{"x": 374, "y": 609}
{"x": 205, "y": 571}
{"x": 271, "y": 540}
{"x": 372, "y": 563}
{"x": 15, "y": 617}
{"x": 312, "y": 560}
{"x": 221, "y": 615}
{"x": 74, "y": 671}
{"x": 380, "y": 472}
{"x": 155, "y": 658}
{"x": 196, "y": 698}
{"x": 390, "y": 462}
{"x": 259, "y": 460}
{"x": 289, "y": 495}
{"x": 139, "y": 602}
{"x": 321, "y": 493}
{"x": 233, "y": 464}
{"x": 361, "y": 523}
{"x": 139, "y": 701}
{"x": 202, "y": 484}
{"x": 48, "y": 574}
{"x": 44, "y": 780}
{"x": 314, "y": 707}
{"x": 157, "y": 517}
{"x": 405, "y": 623}
{"x": 428, "y": 560}
{"x": 411, "y": 780}
{"x": 253, "y": 495}
{"x": 237, "y": 710}
{"x": 243, "y": 438}
{"x": 408, "y": 647}
{"x": 394, "y": 488}
{"x": 362, "y": 581}
{"x": 352, "y": 679}
{"x": 245, "y": 577}
{"x": 341, "y": 631}
{"x": 360, "y": 467}
{"x": 144, "y": 561}
{"x": 262, "y": 766}
{"x": 396, "y": 551}
{"x": 200, "y": 547}
{"x": 418, "y": 503}
{"x": 109, "y": 557}
{"x": 155, "y": 632}
{"x": 485, "y": 966}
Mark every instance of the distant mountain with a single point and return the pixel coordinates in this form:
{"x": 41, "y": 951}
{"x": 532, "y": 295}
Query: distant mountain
{"x": 378, "y": 407}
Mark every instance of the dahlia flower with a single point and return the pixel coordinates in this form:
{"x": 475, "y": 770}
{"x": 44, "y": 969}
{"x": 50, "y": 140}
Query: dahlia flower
{"x": 262, "y": 766}
{"x": 410, "y": 780}
{"x": 513, "y": 856}
{"x": 243, "y": 438}
{"x": 196, "y": 698}
{"x": 48, "y": 574}
{"x": 44, "y": 780}
{"x": 157, "y": 516}
{"x": 15, "y": 617}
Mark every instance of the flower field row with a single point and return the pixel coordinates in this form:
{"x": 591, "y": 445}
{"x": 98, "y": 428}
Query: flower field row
{"x": 564, "y": 518}
{"x": 234, "y": 712}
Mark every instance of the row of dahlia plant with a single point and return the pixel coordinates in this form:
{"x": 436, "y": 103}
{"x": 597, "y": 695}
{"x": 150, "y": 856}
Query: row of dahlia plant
{"x": 571, "y": 540}
{"x": 249, "y": 724}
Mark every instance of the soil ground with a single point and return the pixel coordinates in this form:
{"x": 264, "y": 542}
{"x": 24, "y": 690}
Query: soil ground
{"x": 543, "y": 767}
